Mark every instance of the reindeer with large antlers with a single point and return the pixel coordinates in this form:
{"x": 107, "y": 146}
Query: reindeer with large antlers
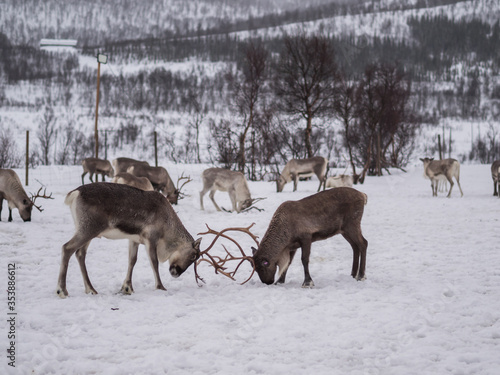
{"x": 12, "y": 190}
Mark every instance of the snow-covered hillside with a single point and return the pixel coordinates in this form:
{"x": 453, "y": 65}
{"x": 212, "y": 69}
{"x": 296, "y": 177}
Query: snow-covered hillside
{"x": 430, "y": 303}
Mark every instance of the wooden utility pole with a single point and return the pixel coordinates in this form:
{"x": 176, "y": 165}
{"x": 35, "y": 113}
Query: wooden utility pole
{"x": 96, "y": 132}
{"x": 100, "y": 59}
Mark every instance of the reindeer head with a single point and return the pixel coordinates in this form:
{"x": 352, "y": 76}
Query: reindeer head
{"x": 183, "y": 258}
{"x": 264, "y": 267}
{"x": 280, "y": 184}
{"x": 25, "y": 209}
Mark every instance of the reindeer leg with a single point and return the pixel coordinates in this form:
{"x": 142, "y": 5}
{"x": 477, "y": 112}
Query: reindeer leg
{"x": 232, "y": 196}
{"x": 1, "y": 205}
{"x": 306, "y": 252}
{"x": 80, "y": 255}
{"x": 153, "y": 258}
{"x": 132, "y": 259}
{"x": 83, "y": 175}
{"x": 10, "y": 214}
{"x": 282, "y": 278}
{"x": 202, "y": 193}
{"x": 211, "y": 195}
{"x": 295, "y": 181}
{"x": 359, "y": 245}
{"x": 495, "y": 192}
{"x": 68, "y": 249}
{"x": 458, "y": 182}
{"x": 451, "y": 186}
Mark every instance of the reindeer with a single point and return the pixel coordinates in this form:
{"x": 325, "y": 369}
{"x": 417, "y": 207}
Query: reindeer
{"x": 495, "y": 175}
{"x": 338, "y": 181}
{"x": 437, "y": 170}
{"x": 233, "y": 182}
{"x": 12, "y": 190}
{"x": 117, "y": 211}
{"x": 297, "y": 168}
{"x": 159, "y": 178}
{"x": 122, "y": 164}
{"x": 129, "y": 179}
{"x": 300, "y": 223}
{"x": 97, "y": 166}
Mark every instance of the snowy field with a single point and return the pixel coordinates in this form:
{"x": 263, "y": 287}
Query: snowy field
{"x": 430, "y": 303}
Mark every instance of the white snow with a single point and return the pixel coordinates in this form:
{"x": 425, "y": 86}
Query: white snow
{"x": 430, "y": 303}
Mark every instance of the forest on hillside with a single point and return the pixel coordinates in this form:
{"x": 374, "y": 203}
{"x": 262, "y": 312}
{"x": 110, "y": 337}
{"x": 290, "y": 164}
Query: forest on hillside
{"x": 448, "y": 69}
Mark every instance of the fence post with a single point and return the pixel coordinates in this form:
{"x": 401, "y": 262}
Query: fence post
{"x": 439, "y": 145}
{"x": 156, "y": 149}
{"x": 27, "y": 154}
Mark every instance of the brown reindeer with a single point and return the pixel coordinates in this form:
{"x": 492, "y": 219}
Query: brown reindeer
{"x": 233, "y": 182}
{"x": 122, "y": 164}
{"x": 118, "y": 211}
{"x": 129, "y": 179}
{"x": 438, "y": 170}
{"x": 96, "y": 166}
{"x": 298, "y": 168}
{"x": 12, "y": 190}
{"x": 300, "y": 223}
{"x": 159, "y": 178}
{"x": 495, "y": 175}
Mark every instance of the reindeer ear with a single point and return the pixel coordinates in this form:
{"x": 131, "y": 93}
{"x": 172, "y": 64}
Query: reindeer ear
{"x": 421, "y": 159}
{"x": 254, "y": 250}
{"x": 196, "y": 244}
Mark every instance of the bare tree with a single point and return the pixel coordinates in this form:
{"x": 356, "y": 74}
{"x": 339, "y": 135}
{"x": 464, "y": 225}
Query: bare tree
{"x": 305, "y": 78}
{"x": 46, "y": 132}
{"x": 386, "y": 122}
{"x": 248, "y": 85}
{"x": 196, "y": 120}
{"x": 9, "y": 156}
{"x": 345, "y": 111}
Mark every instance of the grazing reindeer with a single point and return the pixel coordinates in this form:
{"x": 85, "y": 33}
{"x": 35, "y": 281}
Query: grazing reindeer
{"x": 12, "y": 190}
{"x": 159, "y": 178}
{"x": 297, "y": 168}
{"x": 300, "y": 223}
{"x": 437, "y": 170}
{"x": 122, "y": 164}
{"x": 97, "y": 166}
{"x": 129, "y": 179}
{"x": 339, "y": 181}
{"x": 118, "y": 211}
{"x": 233, "y": 182}
{"x": 495, "y": 175}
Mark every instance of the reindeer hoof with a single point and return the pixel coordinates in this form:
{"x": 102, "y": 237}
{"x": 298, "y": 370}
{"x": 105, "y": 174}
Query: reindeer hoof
{"x": 62, "y": 293}
{"x": 127, "y": 289}
{"x": 308, "y": 284}
{"x": 91, "y": 291}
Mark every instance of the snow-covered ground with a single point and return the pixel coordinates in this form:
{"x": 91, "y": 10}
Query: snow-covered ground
{"x": 430, "y": 303}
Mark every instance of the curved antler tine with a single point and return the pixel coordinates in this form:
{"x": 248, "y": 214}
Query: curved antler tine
{"x": 219, "y": 263}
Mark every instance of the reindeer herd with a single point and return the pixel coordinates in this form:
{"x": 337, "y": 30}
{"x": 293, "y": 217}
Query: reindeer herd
{"x": 137, "y": 206}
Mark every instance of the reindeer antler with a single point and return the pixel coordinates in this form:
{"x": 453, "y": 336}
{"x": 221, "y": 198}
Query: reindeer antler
{"x": 34, "y": 197}
{"x": 187, "y": 179}
{"x": 218, "y": 262}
